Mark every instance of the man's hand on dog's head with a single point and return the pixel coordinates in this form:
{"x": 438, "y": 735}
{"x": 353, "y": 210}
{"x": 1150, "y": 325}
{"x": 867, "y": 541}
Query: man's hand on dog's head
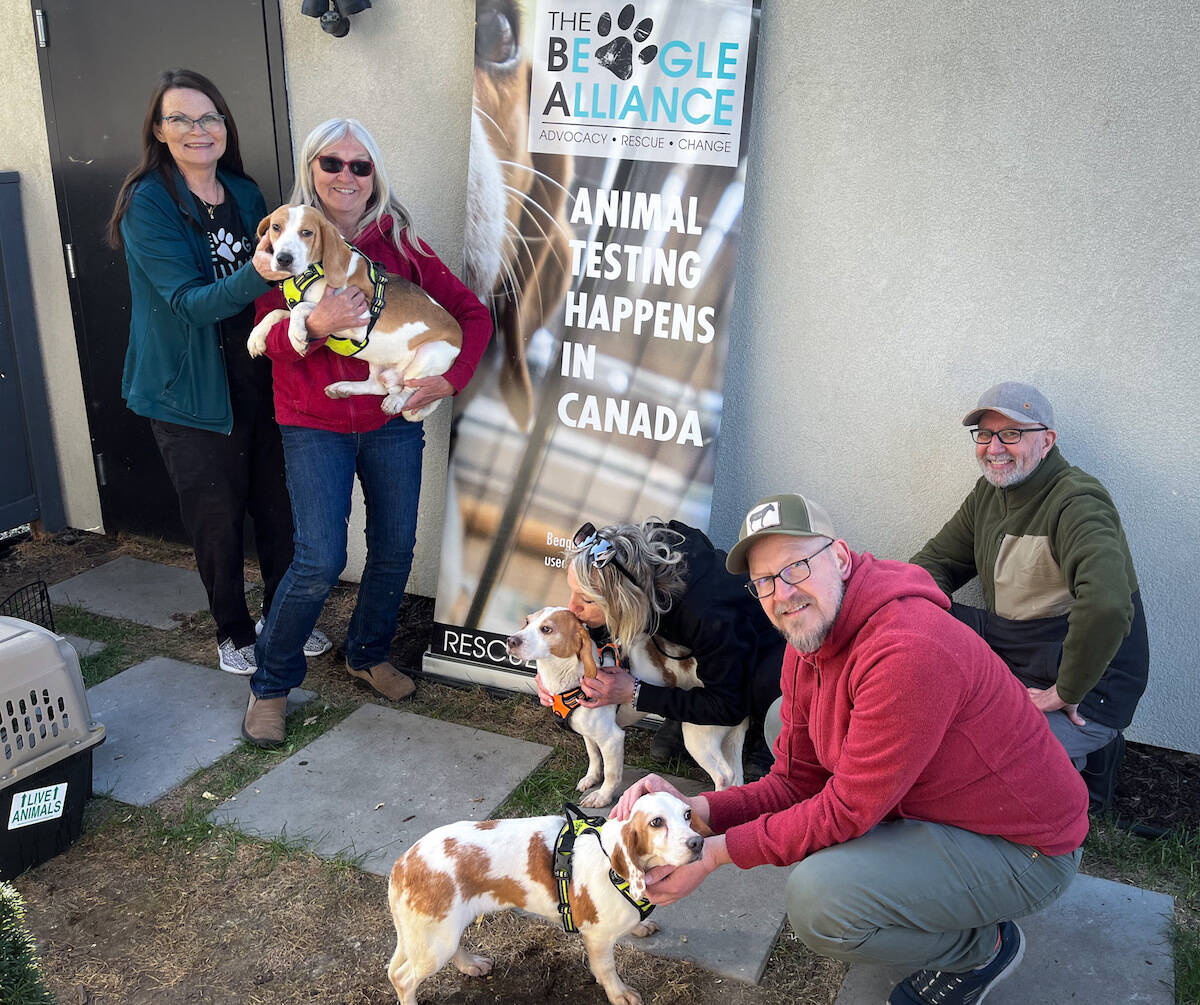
{"x": 338, "y": 310}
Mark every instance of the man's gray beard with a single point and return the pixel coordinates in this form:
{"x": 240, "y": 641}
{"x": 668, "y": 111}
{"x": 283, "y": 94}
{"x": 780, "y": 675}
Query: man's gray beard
{"x": 1014, "y": 477}
{"x": 811, "y": 641}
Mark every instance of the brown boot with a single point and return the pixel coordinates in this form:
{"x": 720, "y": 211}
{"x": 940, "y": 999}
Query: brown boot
{"x": 385, "y": 680}
{"x": 263, "y": 724}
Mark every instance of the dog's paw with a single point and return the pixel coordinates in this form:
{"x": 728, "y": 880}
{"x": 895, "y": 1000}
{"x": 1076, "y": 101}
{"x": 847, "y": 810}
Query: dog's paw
{"x": 618, "y": 54}
{"x": 472, "y": 965}
{"x": 394, "y": 401}
{"x": 337, "y": 390}
{"x": 588, "y": 782}
{"x": 256, "y": 344}
{"x": 597, "y": 799}
{"x": 625, "y": 995}
{"x": 644, "y": 928}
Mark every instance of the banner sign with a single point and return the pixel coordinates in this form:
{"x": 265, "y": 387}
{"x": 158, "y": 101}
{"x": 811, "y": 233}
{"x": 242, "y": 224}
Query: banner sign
{"x": 606, "y": 177}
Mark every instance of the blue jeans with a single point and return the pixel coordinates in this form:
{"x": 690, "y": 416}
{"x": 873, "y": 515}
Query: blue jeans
{"x": 320, "y": 474}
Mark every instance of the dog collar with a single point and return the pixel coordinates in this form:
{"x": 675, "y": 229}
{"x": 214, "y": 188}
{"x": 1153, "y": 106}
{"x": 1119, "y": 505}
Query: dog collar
{"x": 293, "y": 293}
{"x": 579, "y": 823}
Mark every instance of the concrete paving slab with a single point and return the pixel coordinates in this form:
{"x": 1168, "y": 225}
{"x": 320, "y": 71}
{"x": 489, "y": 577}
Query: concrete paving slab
{"x": 1100, "y": 942}
{"x": 85, "y": 647}
{"x": 135, "y": 590}
{"x": 379, "y": 780}
{"x": 166, "y": 720}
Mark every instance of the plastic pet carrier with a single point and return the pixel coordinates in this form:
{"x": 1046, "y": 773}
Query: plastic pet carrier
{"x": 46, "y": 740}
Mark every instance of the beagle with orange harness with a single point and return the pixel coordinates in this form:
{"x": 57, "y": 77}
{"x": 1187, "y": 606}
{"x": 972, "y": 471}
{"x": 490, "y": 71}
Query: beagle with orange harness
{"x": 409, "y": 334}
{"x": 565, "y": 654}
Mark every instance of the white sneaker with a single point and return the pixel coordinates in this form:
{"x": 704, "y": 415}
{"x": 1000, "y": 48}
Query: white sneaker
{"x": 318, "y": 642}
{"x": 234, "y": 660}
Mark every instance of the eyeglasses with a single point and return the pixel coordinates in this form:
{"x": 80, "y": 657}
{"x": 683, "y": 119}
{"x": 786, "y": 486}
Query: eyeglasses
{"x": 1009, "y": 436}
{"x": 210, "y": 122}
{"x": 793, "y": 575}
{"x": 334, "y": 165}
{"x": 600, "y": 551}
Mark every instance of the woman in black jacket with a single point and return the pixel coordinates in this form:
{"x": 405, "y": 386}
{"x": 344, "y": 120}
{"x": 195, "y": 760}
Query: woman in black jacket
{"x": 667, "y": 580}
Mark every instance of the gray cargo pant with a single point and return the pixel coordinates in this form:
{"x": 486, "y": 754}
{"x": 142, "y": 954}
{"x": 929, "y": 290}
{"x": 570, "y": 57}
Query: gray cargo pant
{"x": 917, "y": 894}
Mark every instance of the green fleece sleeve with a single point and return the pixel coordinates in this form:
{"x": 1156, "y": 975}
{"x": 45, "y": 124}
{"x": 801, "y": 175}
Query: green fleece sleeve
{"x": 949, "y": 556}
{"x": 1091, "y": 551}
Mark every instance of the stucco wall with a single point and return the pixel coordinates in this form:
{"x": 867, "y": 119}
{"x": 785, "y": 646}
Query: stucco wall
{"x": 24, "y": 148}
{"x": 404, "y": 71}
{"x": 944, "y": 195}
{"x": 941, "y": 195}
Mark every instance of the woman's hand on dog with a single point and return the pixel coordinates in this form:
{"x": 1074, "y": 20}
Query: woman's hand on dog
{"x": 336, "y": 311}
{"x": 611, "y": 686}
{"x": 656, "y": 783}
{"x": 262, "y": 261}
{"x": 426, "y": 391}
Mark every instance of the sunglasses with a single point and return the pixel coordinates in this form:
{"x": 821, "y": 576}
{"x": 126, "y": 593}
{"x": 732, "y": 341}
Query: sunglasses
{"x": 600, "y": 551}
{"x": 334, "y": 165}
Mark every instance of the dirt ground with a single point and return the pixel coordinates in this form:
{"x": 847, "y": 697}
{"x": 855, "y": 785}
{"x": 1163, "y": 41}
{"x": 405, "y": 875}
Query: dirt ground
{"x": 155, "y": 906}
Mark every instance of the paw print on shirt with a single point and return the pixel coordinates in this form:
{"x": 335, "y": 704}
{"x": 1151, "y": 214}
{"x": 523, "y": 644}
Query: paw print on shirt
{"x": 226, "y": 246}
{"x": 617, "y": 55}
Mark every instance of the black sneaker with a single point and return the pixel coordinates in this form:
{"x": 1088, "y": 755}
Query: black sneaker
{"x": 937, "y": 987}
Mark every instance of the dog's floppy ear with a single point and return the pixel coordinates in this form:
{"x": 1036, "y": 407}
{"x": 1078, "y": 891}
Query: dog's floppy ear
{"x": 628, "y": 853}
{"x": 590, "y": 670}
{"x": 264, "y": 223}
{"x": 335, "y": 254}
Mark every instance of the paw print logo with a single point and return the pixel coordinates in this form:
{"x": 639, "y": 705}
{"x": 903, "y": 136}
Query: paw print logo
{"x": 618, "y": 54}
{"x": 226, "y": 246}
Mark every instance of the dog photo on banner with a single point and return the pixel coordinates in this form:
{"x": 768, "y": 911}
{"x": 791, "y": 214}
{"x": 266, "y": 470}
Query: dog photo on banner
{"x": 608, "y": 159}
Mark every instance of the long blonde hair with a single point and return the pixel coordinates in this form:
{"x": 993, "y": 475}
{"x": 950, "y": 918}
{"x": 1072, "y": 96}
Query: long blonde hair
{"x": 649, "y": 553}
{"x": 383, "y": 201}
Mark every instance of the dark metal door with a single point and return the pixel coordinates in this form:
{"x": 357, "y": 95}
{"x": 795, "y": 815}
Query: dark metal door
{"x": 98, "y": 66}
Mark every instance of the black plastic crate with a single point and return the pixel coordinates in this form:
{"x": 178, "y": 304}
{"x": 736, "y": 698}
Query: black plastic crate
{"x": 46, "y": 739}
{"x": 49, "y": 814}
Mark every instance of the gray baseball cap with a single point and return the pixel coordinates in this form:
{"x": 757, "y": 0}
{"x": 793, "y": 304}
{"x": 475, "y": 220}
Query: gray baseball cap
{"x": 778, "y": 514}
{"x": 1020, "y": 402}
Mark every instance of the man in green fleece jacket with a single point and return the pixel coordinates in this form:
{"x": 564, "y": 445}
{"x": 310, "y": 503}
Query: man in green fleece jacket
{"x": 1063, "y": 606}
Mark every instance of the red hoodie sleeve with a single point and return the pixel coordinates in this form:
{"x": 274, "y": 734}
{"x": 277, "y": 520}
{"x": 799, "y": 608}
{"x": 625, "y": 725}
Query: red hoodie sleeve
{"x": 466, "y": 308}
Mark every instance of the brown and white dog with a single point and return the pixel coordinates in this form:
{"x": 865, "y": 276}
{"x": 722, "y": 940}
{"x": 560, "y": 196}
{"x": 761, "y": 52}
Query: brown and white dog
{"x": 565, "y": 654}
{"x": 458, "y": 872}
{"x": 414, "y": 335}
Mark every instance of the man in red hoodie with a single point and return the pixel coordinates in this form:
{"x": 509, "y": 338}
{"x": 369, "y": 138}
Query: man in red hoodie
{"x": 920, "y": 794}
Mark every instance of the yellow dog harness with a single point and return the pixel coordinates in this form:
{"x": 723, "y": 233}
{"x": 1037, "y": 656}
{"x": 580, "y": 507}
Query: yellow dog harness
{"x": 578, "y": 823}
{"x": 293, "y": 293}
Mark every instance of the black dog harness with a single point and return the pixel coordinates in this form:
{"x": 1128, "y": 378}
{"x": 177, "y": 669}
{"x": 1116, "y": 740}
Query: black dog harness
{"x": 577, "y": 824}
{"x": 293, "y": 293}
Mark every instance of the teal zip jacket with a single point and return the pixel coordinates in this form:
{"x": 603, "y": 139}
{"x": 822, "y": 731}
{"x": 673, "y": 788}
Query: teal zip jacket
{"x": 174, "y": 369}
{"x": 1050, "y": 547}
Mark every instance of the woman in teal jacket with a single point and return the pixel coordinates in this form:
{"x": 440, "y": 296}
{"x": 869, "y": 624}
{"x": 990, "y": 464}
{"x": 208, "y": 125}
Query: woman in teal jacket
{"x": 186, "y": 217}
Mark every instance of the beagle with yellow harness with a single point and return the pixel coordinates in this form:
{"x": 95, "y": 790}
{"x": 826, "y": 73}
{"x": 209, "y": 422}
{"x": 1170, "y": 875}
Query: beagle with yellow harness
{"x": 586, "y": 873}
{"x": 408, "y": 335}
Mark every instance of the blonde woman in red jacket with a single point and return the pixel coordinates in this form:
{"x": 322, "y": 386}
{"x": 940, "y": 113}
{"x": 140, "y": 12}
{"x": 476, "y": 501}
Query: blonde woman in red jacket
{"x": 327, "y": 441}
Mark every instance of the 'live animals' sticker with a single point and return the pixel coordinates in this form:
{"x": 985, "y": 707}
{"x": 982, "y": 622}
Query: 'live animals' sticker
{"x": 37, "y": 805}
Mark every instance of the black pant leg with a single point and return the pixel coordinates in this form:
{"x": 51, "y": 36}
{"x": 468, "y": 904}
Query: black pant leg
{"x": 210, "y": 473}
{"x": 269, "y": 504}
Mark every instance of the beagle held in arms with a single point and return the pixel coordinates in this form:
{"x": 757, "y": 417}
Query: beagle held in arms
{"x": 408, "y": 334}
